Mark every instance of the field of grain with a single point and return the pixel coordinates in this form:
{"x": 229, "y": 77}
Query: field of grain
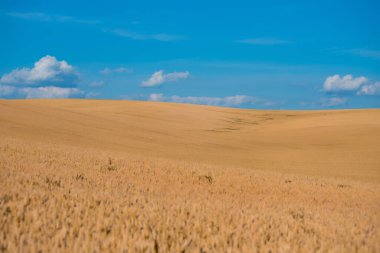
{"x": 121, "y": 176}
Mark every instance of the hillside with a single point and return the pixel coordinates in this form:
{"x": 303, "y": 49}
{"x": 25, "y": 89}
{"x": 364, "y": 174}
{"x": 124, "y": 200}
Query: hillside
{"x": 122, "y": 176}
{"x": 343, "y": 143}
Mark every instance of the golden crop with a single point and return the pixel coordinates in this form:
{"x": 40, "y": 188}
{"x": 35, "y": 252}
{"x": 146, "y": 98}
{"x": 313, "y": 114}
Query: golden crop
{"x": 65, "y": 189}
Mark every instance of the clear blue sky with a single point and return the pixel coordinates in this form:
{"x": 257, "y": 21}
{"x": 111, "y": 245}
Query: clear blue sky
{"x": 250, "y": 54}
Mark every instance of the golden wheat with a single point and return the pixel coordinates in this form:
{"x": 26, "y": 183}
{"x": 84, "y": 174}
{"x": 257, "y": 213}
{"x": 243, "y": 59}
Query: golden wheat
{"x": 59, "y": 195}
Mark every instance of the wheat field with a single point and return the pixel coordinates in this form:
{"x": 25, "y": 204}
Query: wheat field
{"x": 123, "y": 176}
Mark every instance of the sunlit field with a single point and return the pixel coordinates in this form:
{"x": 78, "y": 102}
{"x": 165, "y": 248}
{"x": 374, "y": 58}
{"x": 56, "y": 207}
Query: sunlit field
{"x": 120, "y": 176}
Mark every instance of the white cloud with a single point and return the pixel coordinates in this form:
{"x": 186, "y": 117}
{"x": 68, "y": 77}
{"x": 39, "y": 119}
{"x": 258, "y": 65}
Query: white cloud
{"x": 370, "y": 89}
{"x": 39, "y": 16}
{"x": 326, "y": 102}
{"x": 156, "y": 79}
{"x": 97, "y": 84}
{"x": 345, "y": 83}
{"x": 50, "y": 92}
{"x": 174, "y": 76}
{"x": 46, "y": 70}
{"x": 6, "y": 90}
{"x": 159, "y": 77}
{"x": 92, "y": 95}
{"x": 156, "y": 97}
{"x": 215, "y": 101}
{"x": 107, "y": 71}
{"x": 334, "y": 101}
{"x": 199, "y": 100}
{"x": 361, "y": 85}
{"x": 375, "y": 54}
{"x": 264, "y": 41}
{"x": 49, "y": 78}
{"x": 39, "y": 92}
{"x": 140, "y": 36}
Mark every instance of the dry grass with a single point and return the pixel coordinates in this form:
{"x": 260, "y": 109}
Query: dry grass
{"x": 60, "y": 194}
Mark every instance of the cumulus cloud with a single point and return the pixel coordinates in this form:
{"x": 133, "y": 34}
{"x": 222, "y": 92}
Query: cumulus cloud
{"x": 39, "y": 92}
{"x": 50, "y": 92}
{"x": 159, "y": 77}
{"x": 107, "y": 71}
{"x": 370, "y": 89}
{"x": 232, "y": 101}
{"x": 46, "y": 70}
{"x": 48, "y": 78}
{"x": 6, "y": 90}
{"x": 264, "y": 41}
{"x": 345, "y": 83}
{"x": 360, "y": 85}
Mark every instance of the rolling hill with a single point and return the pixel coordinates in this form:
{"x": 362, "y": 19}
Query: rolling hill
{"x": 127, "y": 176}
{"x": 341, "y": 143}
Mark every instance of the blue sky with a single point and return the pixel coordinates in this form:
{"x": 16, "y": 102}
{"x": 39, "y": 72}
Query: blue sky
{"x": 249, "y": 54}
